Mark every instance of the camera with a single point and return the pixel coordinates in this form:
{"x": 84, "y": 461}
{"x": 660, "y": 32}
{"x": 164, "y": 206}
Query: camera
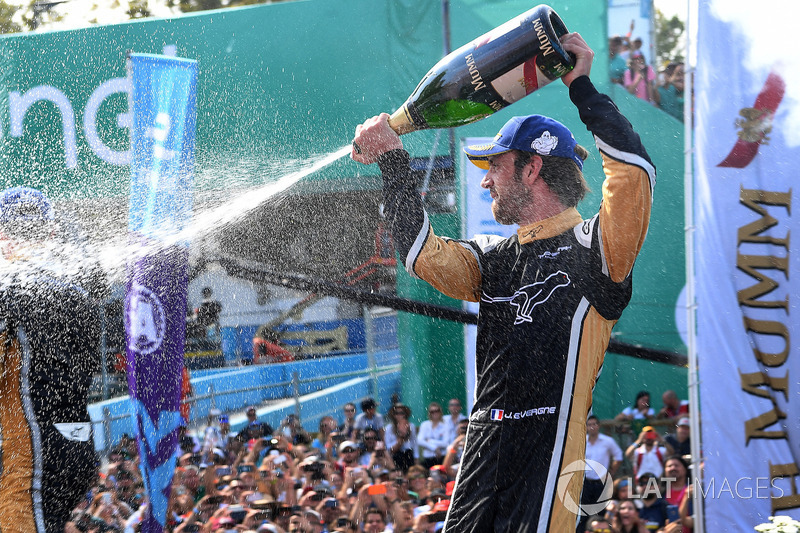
{"x": 437, "y": 516}
{"x": 313, "y": 467}
{"x": 238, "y": 513}
{"x": 262, "y": 516}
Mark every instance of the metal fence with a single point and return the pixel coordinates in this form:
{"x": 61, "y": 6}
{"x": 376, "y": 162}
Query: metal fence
{"x": 309, "y": 398}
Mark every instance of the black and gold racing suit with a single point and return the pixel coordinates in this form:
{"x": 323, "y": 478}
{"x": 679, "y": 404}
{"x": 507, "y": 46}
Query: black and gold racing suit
{"x": 49, "y": 349}
{"x": 549, "y": 296}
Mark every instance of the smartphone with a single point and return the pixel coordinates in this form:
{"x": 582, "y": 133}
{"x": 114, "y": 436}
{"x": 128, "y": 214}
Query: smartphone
{"x": 262, "y": 515}
{"x": 374, "y": 490}
{"x": 107, "y": 498}
{"x": 438, "y": 516}
{"x": 223, "y": 471}
{"x": 245, "y": 468}
{"x": 238, "y": 516}
{"x": 279, "y": 459}
{"x": 673, "y": 514}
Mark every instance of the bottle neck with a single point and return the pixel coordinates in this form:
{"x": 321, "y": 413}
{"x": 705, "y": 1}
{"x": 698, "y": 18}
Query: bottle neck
{"x": 400, "y": 121}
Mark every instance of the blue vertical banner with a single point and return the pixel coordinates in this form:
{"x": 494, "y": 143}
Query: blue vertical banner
{"x": 163, "y": 106}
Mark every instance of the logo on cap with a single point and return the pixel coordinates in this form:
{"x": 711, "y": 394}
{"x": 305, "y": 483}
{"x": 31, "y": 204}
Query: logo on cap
{"x": 545, "y": 143}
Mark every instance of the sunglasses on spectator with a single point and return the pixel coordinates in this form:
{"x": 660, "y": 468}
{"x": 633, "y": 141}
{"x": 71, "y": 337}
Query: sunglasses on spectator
{"x": 434, "y": 410}
{"x": 348, "y": 450}
{"x": 370, "y": 438}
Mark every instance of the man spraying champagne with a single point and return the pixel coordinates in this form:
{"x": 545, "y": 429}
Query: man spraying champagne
{"x": 536, "y": 364}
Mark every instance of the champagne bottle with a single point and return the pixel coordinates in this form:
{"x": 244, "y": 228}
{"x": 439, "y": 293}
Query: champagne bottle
{"x": 488, "y": 74}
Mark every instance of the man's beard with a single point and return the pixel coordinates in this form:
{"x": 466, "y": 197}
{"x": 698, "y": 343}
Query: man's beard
{"x": 507, "y": 209}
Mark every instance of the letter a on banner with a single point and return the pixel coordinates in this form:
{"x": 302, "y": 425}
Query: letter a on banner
{"x": 163, "y": 106}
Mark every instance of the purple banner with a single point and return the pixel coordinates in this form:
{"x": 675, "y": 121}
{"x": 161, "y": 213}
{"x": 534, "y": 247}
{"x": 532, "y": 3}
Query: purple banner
{"x": 163, "y": 101}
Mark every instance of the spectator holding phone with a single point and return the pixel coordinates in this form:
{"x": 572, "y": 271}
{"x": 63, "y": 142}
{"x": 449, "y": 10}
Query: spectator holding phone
{"x": 348, "y": 427}
{"x": 640, "y": 78}
{"x": 293, "y": 430}
{"x": 456, "y": 449}
{"x": 647, "y": 453}
{"x": 401, "y": 437}
{"x": 323, "y": 443}
{"x": 653, "y": 511}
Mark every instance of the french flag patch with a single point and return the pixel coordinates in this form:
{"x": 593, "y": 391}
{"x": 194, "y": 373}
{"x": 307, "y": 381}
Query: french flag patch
{"x": 497, "y": 414}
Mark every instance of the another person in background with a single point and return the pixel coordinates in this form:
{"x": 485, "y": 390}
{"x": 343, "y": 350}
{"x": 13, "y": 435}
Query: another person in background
{"x": 270, "y": 349}
{"x": 187, "y": 391}
{"x": 348, "y": 427}
{"x": 680, "y": 441}
{"x": 635, "y": 417}
{"x": 369, "y": 418}
{"x": 49, "y": 350}
{"x": 433, "y": 437}
{"x": 374, "y": 455}
{"x": 212, "y": 436}
{"x": 324, "y": 443}
{"x": 669, "y": 96}
{"x": 673, "y": 406}
{"x": 617, "y": 64}
{"x": 647, "y": 453}
{"x": 598, "y": 524}
{"x": 401, "y": 437}
{"x": 640, "y": 78}
{"x": 675, "y": 480}
{"x": 622, "y": 491}
{"x": 606, "y": 452}
{"x": 453, "y": 418}
{"x": 293, "y": 430}
{"x": 207, "y": 314}
{"x": 452, "y": 460}
{"x": 253, "y": 421}
{"x": 653, "y": 511}
{"x": 627, "y": 519}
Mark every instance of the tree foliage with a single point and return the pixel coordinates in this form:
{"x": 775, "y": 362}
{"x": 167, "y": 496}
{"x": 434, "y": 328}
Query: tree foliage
{"x": 203, "y": 5}
{"x": 669, "y": 42}
{"x": 7, "y": 24}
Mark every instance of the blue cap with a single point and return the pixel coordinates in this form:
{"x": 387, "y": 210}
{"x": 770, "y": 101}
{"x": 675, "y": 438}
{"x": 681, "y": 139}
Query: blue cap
{"x": 535, "y": 133}
{"x": 24, "y": 204}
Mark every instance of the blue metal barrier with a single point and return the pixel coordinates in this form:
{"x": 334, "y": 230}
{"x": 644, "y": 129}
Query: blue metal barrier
{"x": 323, "y": 386}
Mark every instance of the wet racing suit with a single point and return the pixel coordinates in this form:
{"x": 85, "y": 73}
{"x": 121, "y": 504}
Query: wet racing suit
{"x": 49, "y": 349}
{"x": 549, "y": 296}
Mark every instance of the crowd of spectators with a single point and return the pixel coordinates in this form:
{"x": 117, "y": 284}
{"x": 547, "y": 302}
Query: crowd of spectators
{"x": 381, "y": 473}
{"x": 368, "y": 474}
{"x": 629, "y": 68}
{"x": 646, "y": 456}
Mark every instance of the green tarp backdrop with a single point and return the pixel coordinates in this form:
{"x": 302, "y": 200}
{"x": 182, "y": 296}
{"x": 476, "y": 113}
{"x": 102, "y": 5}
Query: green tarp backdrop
{"x": 290, "y": 81}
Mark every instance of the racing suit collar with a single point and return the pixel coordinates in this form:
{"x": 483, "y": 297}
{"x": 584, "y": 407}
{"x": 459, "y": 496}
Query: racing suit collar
{"x": 549, "y": 227}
